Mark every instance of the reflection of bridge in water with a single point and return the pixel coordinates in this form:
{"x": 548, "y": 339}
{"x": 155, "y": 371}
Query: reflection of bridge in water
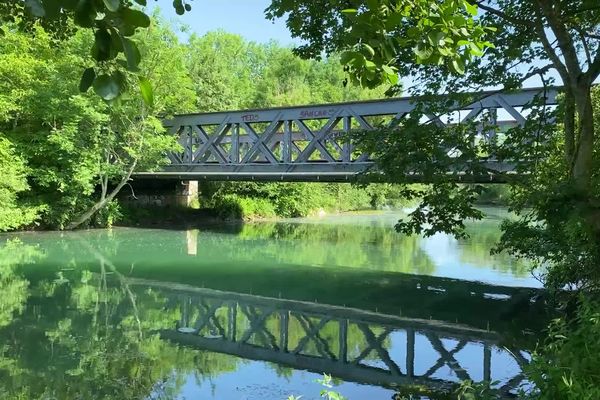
{"x": 347, "y": 343}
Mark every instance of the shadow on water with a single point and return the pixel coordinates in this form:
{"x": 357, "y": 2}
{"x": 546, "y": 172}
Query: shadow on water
{"x": 165, "y": 314}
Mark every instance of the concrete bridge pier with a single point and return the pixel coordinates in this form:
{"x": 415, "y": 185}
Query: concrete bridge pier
{"x": 161, "y": 193}
{"x": 187, "y": 193}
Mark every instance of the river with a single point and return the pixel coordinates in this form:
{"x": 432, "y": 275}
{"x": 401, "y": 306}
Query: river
{"x": 261, "y": 311}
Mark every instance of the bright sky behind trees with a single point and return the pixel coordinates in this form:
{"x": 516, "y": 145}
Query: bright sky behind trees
{"x": 244, "y": 17}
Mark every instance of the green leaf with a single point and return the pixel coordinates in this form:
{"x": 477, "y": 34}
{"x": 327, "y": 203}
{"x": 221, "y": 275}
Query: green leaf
{"x": 107, "y": 86}
{"x": 370, "y": 66}
{"x": 87, "y": 78}
{"x": 102, "y": 45}
{"x": 413, "y": 32}
{"x": 112, "y": 5}
{"x": 132, "y": 54}
{"x": 146, "y": 90}
{"x": 85, "y": 13}
{"x": 347, "y": 56}
{"x": 178, "y": 6}
{"x": 390, "y": 74}
{"x": 141, "y": 2}
{"x": 471, "y": 8}
{"x": 369, "y": 49}
{"x": 458, "y": 66}
{"x": 350, "y": 11}
{"x": 475, "y": 50}
{"x": 135, "y": 17}
{"x": 423, "y": 52}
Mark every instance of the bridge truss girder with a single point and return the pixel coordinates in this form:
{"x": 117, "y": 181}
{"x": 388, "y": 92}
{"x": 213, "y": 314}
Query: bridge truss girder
{"x": 312, "y": 143}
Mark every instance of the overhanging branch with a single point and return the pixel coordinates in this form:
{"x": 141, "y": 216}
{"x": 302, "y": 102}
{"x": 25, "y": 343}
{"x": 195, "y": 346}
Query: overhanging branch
{"x": 503, "y": 15}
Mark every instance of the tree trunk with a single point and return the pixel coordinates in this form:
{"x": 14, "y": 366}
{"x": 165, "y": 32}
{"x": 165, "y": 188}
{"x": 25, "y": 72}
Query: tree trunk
{"x": 584, "y": 152}
{"x": 570, "y": 128}
{"x": 103, "y": 200}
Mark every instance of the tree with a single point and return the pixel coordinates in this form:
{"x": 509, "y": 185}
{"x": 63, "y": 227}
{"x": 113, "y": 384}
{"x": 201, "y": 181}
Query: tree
{"x": 456, "y": 45}
{"x": 113, "y": 23}
{"x": 74, "y": 143}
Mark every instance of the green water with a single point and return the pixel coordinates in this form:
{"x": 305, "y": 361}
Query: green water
{"x": 259, "y": 311}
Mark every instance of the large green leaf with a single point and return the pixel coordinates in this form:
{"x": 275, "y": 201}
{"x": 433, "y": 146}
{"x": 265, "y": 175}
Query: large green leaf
{"x": 108, "y": 86}
{"x": 135, "y": 17}
{"x": 87, "y": 78}
{"x": 85, "y": 13}
{"x": 112, "y": 5}
{"x": 146, "y": 90}
{"x": 178, "y": 6}
{"x": 132, "y": 53}
{"x": 101, "y": 50}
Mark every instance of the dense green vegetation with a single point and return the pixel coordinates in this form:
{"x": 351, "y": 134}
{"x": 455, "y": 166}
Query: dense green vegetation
{"x": 77, "y": 151}
{"x": 249, "y": 200}
{"x": 67, "y": 154}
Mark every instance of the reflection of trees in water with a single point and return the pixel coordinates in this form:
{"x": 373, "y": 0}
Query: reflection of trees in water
{"x": 476, "y": 251}
{"x": 77, "y": 336}
{"x": 369, "y": 246}
{"x": 14, "y": 288}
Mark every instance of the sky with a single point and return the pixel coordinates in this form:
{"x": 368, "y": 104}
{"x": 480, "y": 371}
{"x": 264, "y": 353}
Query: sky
{"x": 244, "y": 17}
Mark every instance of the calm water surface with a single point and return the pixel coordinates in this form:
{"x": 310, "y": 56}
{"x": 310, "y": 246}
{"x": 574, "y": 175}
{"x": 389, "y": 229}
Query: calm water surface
{"x": 260, "y": 311}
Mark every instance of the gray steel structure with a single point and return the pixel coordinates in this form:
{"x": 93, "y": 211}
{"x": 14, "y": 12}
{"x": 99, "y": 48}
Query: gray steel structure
{"x": 258, "y": 328}
{"x": 311, "y": 143}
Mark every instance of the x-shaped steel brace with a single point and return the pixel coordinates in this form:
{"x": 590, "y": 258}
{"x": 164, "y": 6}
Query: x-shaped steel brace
{"x": 316, "y": 141}
{"x": 210, "y": 145}
{"x": 208, "y": 317}
{"x": 259, "y": 145}
{"x": 312, "y": 332}
{"x": 447, "y": 357}
{"x": 376, "y": 343}
{"x": 257, "y": 326}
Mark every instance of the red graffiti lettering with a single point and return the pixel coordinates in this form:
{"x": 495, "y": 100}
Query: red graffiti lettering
{"x": 249, "y": 117}
{"x": 316, "y": 113}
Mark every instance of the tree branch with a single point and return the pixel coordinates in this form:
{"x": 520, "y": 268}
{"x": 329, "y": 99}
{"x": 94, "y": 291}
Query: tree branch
{"x": 594, "y": 70}
{"x": 96, "y": 207}
{"x": 558, "y": 64}
{"x": 565, "y": 42}
{"x": 498, "y": 13}
{"x": 586, "y": 48}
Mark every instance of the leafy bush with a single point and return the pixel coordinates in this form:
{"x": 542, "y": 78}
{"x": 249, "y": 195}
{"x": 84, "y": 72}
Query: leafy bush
{"x": 236, "y": 207}
{"x": 567, "y": 366}
{"x": 295, "y": 199}
{"x": 14, "y": 181}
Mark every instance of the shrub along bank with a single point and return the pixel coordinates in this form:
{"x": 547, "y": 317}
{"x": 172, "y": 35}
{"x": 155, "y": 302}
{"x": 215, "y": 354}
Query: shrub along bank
{"x": 252, "y": 200}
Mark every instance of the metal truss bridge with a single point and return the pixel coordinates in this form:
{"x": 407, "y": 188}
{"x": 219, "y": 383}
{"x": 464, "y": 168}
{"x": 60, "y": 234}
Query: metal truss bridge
{"x": 348, "y": 343}
{"x": 314, "y": 143}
